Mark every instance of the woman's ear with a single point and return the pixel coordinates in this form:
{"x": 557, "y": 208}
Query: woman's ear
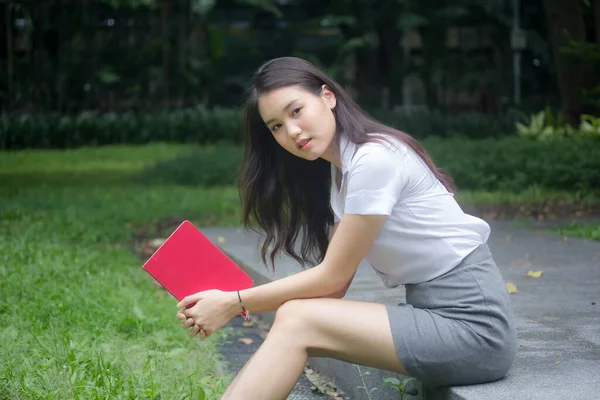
{"x": 328, "y": 97}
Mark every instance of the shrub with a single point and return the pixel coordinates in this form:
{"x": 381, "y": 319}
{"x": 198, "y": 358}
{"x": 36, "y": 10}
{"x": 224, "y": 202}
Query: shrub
{"x": 91, "y": 128}
{"x": 212, "y": 166}
{"x": 205, "y": 126}
{"x": 544, "y": 125}
{"x": 510, "y": 164}
{"x": 466, "y": 124}
{"x": 513, "y": 164}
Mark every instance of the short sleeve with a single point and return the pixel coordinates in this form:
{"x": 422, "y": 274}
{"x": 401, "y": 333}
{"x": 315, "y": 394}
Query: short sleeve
{"x": 376, "y": 180}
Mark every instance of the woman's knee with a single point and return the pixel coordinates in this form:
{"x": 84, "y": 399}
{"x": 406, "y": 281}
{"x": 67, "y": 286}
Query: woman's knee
{"x": 292, "y": 315}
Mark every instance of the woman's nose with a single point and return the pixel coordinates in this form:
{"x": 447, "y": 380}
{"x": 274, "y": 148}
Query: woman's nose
{"x": 294, "y": 130}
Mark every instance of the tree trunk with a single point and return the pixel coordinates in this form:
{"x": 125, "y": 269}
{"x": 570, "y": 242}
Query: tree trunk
{"x": 165, "y": 11}
{"x": 434, "y": 57}
{"x": 565, "y": 22}
{"x": 9, "y": 59}
{"x": 389, "y": 62}
{"x": 350, "y": 75}
{"x": 596, "y": 6}
{"x": 184, "y": 12}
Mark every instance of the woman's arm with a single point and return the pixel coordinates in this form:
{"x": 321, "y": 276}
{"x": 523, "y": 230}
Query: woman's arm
{"x": 348, "y": 246}
{"x": 340, "y": 293}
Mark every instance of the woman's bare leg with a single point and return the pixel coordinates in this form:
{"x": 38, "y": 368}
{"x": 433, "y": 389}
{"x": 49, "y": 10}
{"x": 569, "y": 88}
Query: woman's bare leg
{"x": 235, "y": 380}
{"x": 351, "y": 331}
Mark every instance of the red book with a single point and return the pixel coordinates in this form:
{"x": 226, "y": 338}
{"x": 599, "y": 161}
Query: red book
{"x": 188, "y": 262}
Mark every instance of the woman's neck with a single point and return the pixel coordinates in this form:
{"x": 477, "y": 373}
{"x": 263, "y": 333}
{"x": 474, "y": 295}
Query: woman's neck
{"x": 332, "y": 155}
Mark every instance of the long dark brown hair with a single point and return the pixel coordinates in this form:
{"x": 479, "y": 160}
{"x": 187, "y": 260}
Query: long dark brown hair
{"x": 284, "y": 196}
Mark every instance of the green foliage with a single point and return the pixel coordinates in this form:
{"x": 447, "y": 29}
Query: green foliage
{"x": 208, "y": 166}
{"x": 364, "y": 384}
{"x": 509, "y": 164}
{"x": 203, "y": 7}
{"x": 514, "y": 164}
{"x": 544, "y": 125}
{"x": 198, "y": 125}
{"x": 130, "y": 3}
{"x": 589, "y": 126}
{"x": 202, "y": 126}
{"x": 78, "y": 317}
{"x": 266, "y": 5}
{"x": 541, "y": 126}
{"x": 491, "y": 162}
{"x": 585, "y": 230}
{"x": 406, "y": 388}
{"x": 532, "y": 196}
{"x": 471, "y": 125}
{"x": 587, "y": 54}
{"x": 176, "y": 54}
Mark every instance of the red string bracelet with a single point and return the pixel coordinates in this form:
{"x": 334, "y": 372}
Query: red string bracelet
{"x": 244, "y": 313}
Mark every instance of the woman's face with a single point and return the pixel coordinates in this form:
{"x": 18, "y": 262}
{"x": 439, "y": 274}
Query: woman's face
{"x": 300, "y": 121}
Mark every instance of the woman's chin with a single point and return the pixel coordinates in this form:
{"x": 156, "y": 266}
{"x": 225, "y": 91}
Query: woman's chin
{"x": 310, "y": 155}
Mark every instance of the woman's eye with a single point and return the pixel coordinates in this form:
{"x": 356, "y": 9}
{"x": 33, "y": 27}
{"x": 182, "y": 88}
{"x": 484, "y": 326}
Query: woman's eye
{"x": 296, "y": 111}
{"x": 276, "y": 127}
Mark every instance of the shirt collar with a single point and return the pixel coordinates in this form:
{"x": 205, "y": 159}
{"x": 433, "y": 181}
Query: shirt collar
{"x": 347, "y": 150}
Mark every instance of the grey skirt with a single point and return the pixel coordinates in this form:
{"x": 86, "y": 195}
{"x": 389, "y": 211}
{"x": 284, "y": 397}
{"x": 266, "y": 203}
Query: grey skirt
{"x": 457, "y": 329}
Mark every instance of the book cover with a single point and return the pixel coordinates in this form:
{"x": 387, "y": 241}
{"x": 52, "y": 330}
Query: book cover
{"x": 188, "y": 262}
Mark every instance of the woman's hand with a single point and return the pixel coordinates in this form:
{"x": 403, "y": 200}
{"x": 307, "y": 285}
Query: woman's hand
{"x": 212, "y": 311}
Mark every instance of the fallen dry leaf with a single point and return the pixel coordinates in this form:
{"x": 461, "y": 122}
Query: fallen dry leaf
{"x": 321, "y": 384}
{"x": 246, "y": 341}
{"x": 511, "y": 287}
{"x": 248, "y": 323}
{"x": 558, "y": 362}
{"x": 220, "y": 239}
{"x": 534, "y": 274}
{"x": 156, "y": 242}
{"x": 148, "y": 250}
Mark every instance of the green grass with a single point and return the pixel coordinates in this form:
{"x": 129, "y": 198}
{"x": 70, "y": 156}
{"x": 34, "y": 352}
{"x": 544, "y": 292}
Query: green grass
{"x": 110, "y": 165}
{"x": 78, "y": 317}
{"x": 528, "y": 197}
{"x": 544, "y": 203}
{"x": 585, "y": 230}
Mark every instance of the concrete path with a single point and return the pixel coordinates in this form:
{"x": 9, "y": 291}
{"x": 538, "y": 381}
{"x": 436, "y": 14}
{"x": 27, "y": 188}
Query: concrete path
{"x": 557, "y": 315}
{"x": 244, "y": 342}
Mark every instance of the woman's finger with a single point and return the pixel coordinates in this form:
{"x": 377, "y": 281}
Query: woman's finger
{"x": 180, "y": 315}
{"x": 187, "y": 300}
{"x": 188, "y": 322}
{"x": 203, "y": 334}
{"x": 194, "y": 331}
{"x": 188, "y": 313}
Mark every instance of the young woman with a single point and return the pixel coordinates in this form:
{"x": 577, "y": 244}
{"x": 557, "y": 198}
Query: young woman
{"x": 319, "y": 170}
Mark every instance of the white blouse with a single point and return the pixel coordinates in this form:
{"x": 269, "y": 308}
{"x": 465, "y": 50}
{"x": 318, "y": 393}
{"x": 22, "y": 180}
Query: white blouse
{"x": 426, "y": 233}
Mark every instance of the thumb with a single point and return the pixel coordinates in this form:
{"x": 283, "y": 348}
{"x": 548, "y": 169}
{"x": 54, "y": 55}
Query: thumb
{"x": 191, "y": 299}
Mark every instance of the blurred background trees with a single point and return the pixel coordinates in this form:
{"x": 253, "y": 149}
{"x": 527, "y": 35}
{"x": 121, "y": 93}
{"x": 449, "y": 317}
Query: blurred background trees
{"x": 397, "y": 57}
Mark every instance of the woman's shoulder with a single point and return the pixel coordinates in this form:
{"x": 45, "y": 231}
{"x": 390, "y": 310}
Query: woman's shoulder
{"x": 386, "y": 154}
{"x": 380, "y": 146}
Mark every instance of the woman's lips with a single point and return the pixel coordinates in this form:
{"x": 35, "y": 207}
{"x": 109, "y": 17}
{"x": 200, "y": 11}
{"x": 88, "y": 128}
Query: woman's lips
{"x": 304, "y": 144}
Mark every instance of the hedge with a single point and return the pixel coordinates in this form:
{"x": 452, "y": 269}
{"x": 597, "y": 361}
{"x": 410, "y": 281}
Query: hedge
{"x": 210, "y": 126}
{"x": 511, "y": 164}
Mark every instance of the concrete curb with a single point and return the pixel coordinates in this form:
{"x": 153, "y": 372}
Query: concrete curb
{"x": 558, "y": 321}
{"x": 235, "y": 354}
{"x": 348, "y": 378}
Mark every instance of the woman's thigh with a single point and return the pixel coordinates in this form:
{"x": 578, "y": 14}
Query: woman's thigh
{"x": 352, "y": 331}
